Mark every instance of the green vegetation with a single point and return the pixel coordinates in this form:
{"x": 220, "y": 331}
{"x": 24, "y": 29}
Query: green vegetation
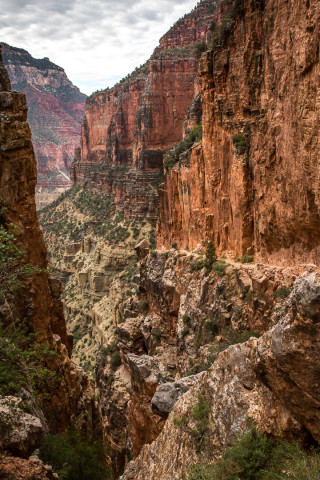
{"x": 211, "y": 256}
{"x": 221, "y": 31}
{"x": 240, "y": 143}
{"x": 254, "y": 456}
{"x": 156, "y": 333}
{"x": 173, "y": 155}
{"x": 200, "y": 414}
{"x": 245, "y": 258}
{"x": 23, "y": 361}
{"x": 186, "y": 319}
{"x": 198, "y": 264}
{"x": 282, "y": 292}
{"x": 219, "y": 268}
{"x": 74, "y": 457}
{"x": 178, "y": 422}
{"x": 193, "y": 50}
{"x": 92, "y": 203}
{"x": 14, "y": 270}
{"x": 115, "y": 360}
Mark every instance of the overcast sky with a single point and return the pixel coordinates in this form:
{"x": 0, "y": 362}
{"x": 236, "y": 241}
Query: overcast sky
{"x": 97, "y": 42}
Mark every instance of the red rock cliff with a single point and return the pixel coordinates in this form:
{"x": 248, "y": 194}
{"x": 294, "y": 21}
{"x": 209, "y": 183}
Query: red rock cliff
{"x": 56, "y": 109}
{"x": 38, "y": 302}
{"x": 253, "y": 183}
{"x": 127, "y": 129}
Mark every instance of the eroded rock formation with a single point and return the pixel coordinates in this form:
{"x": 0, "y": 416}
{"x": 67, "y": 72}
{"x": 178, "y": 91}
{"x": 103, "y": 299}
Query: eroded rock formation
{"x": 253, "y": 184}
{"x": 270, "y": 380}
{"x": 55, "y": 112}
{"x": 38, "y": 303}
{"x": 127, "y": 129}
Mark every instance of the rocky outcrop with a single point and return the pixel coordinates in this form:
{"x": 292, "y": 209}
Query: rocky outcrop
{"x": 173, "y": 331}
{"x": 270, "y": 380}
{"x": 56, "y": 109}
{"x": 13, "y": 468}
{"x": 127, "y": 128}
{"x": 240, "y": 188}
{"x": 38, "y": 303}
{"x": 21, "y": 433}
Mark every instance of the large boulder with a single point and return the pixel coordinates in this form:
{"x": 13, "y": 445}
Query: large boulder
{"x": 20, "y": 432}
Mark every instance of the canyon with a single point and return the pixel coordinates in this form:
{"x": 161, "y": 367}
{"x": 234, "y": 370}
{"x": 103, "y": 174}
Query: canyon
{"x": 187, "y": 249}
{"x": 55, "y": 112}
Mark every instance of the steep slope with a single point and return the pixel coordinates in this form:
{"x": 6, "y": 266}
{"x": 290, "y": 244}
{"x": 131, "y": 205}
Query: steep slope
{"x": 127, "y": 128}
{"x": 33, "y": 304}
{"x": 252, "y": 186}
{"x": 56, "y": 109}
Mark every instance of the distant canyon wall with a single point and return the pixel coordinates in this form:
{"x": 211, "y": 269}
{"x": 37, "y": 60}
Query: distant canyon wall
{"x": 127, "y": 129}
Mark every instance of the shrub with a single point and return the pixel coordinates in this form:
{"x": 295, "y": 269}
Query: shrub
{"x": 282, "y": 292}
{"x": 254, "y": 456}
{"x": 143, "y": 305}
{"x": 115, "y": 360}
{"x": 175, "y": 245}
{"x": 14, "y": 270}
{"x": 211, "y": 256}
{"x": 178, "y": 422}
{"x": 246, "y": 258}
{"x": 240, "y": 143}
{"x": 74, "y": 457}
{"x": 211, "y": 326}
{"x": 219, "y": 268}
{"x": 186, "y": 319}
{"x": 200, "y": 413}
{"x": 197, "y": 265}
{"x": 156, "y": 333}
{"x": 23, "y": 361}
{"x": 173, "y": 155}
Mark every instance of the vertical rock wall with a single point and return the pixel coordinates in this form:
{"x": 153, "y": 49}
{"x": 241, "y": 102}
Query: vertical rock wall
{"x": 39, "y": 301}
{"x": 253, "y": 184}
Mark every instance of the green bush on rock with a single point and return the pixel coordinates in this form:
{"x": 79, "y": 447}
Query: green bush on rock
{"x": 74, "y": 457}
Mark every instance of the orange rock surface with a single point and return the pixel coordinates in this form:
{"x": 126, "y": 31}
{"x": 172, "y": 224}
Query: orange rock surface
{"x": 38, "y": 303}
{"x": 127, "y": 129}
{"x": 253, "y": 184}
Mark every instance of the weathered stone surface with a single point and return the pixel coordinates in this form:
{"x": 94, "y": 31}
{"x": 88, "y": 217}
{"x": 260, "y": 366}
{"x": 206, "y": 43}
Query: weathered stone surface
{"x": 167, "y": 394}
{"x": 56, "y": 109}
{"x": 21, "y": 432}
{"x": 72, "y": 401}
{"x": 264, "y": 73}
{"x": 127, "y": 129}
{"x": 13, "y": 468}
{"x": 270, "y": 380}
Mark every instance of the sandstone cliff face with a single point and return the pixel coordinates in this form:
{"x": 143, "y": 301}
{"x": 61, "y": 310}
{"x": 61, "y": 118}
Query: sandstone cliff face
{"x": 253, "y": 184}
{"x": 39, "y": 304}
{"x": 55, "y": 112}
{"x": 127, "y": 129}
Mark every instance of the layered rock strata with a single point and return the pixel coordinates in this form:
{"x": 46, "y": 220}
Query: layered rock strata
{"x": 55, "y": 112}
{"x": 259, "y": 90}
{"x": 127, "y": 129}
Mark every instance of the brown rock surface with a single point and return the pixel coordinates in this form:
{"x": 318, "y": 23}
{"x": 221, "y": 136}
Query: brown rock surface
{"x": 37, "y": 304}
{"x": 127, "y": 129}
{"x": 261, "y": 83}
{"x": 55, "y": 112}
{"x": 13, "y": 468}
{"x": 270, "y": 380}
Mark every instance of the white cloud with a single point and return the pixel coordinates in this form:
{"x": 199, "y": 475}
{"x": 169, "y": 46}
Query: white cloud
{"x": 96, "y": 41}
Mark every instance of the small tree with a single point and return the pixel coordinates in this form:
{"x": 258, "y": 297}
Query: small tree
{"x": 211, "y": 256}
